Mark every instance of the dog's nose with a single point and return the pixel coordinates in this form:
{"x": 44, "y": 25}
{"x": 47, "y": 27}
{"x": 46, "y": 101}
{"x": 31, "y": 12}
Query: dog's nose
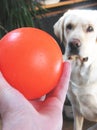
{"x": 75, "y": 43}
{"x": 74, "y": 46}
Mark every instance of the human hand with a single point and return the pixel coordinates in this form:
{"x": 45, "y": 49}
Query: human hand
{"x": 17, "y": 113}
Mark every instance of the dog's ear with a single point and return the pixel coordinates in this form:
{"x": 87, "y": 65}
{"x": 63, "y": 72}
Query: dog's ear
{"x": 59, "y": 28}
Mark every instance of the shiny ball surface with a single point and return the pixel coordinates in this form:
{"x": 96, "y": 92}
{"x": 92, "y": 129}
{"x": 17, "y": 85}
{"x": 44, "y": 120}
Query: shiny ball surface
{"x": 31, "y": 61}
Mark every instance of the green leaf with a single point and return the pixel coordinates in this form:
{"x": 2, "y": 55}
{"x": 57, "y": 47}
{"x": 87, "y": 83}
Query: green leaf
{"x": 19, "y": 13}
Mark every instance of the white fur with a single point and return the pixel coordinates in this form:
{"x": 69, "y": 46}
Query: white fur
{"x": 83, "y": 84}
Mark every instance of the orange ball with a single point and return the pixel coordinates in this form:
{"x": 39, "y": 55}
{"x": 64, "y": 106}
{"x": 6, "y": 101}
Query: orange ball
{"x": 31, "y": 61}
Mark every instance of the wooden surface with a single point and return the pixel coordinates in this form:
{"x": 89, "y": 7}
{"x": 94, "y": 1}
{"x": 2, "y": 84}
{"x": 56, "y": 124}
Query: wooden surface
{"x": 67, "y": 2}
{"x": 61, "y": 7}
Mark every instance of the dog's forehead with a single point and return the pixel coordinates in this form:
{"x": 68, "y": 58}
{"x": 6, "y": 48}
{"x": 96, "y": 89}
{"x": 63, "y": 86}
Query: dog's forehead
{"x": 83, "y": 16}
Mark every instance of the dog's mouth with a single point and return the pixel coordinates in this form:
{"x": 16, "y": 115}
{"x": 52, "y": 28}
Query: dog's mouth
{"x": 77, "y": 57}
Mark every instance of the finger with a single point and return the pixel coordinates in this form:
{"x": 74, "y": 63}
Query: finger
{"x": 61, "y": 90}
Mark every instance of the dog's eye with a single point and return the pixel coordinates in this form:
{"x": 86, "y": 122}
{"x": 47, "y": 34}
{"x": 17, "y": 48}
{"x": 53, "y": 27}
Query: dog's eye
{"x": 90, "y": 29}
{"x": 69, "y": 26}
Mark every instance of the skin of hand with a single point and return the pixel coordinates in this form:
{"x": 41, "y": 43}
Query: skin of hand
{"x": 17, "y": 113}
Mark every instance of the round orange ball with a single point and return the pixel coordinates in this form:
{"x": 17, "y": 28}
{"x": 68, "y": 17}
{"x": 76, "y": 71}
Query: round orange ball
{"x": 31, "y": 61}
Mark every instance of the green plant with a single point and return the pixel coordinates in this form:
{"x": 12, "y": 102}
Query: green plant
{"x": 18, "y": 13}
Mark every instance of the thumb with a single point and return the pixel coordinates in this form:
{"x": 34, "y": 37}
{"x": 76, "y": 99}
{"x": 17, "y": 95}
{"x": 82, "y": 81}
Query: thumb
{"x": 61, "y": 90}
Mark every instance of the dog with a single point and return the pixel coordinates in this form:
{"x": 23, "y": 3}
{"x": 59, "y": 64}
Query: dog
{"x": 77, "y": 29}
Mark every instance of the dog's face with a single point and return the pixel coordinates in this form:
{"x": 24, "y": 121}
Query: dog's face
{"x": 78, "y": 30}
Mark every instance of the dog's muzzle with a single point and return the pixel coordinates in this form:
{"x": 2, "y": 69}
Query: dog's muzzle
{"x": 74, "y": 49}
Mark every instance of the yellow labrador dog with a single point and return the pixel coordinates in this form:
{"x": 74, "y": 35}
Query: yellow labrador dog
{"x": 78, "y": 30}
